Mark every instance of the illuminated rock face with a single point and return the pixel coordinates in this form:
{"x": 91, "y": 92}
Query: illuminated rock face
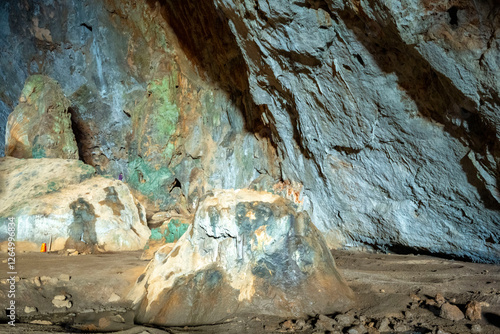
{"x": 40, "y": 126}
{"x": 384, "y": 113}
{"x": 247, "y": 252}
{"x": 387, "y": 112}
{"x": 62, "y": 202}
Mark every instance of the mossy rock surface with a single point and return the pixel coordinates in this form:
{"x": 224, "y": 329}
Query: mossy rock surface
{"x": 40, "y": 126}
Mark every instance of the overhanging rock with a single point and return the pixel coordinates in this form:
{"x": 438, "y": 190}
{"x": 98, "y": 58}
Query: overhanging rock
{"x": 247, "y": 252}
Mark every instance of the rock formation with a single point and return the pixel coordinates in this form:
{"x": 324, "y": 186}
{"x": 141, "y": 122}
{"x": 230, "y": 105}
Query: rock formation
{"x": 386, "y": 113}
{"x": 167, "y": 234}
{"x": 383, "y": 114}
{"x": 40, "y": 126}
{"x": 61, "y": 202}
{"x": 247, "y": 252}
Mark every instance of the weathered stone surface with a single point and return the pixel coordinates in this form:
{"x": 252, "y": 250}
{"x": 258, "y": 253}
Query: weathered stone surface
{"x": 247, "y": 252}
{"x": 473, "y": 310}
{"x": 138, "y": 105}
{"x": 387, "y": 113}
{"x": 63, "y": 200}
{"x": 40, "y": 126}
{"x": 451, "y": 312}
{"x": 167, "y": 234}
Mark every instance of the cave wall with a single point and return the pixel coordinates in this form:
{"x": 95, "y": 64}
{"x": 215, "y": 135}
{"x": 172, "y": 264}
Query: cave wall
{"x": 139, "y": 106}
{"x": 386, "y": 114}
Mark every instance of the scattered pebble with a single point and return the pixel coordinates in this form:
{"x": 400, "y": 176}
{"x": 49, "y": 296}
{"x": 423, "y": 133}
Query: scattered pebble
{"x": 50, "y": 280}
{"x": 372, "y": 330}
{"x": 430, "y": 302}
{"x": 473, "y": 310}
{"x": 383, "y": 325}
{"x": 61, "y": 301}
{"x": 441, "y": 331}
{"x": 287, "y": 325}
{"x": 114, "y": 298}
{"x": 325, "y": 323}
{"x": 414, "y": 297}
{"x": 408, "y": 315}
{"x": 41, "y": 322}
{"x": 451, "y": 312}
{"x": 344, "y": 320}
{"x": 60, "y": 297}
{"x": 476, "y": 328}
{"x": 64, "y": 277}
{"x": 30, "y": 309}
{"x": 357, "y": 330}
{"x": 37, "y": 281}
{"x": 440, "y": 299}
{"x": 400, "y": 328}
{"x": 301, "y": 324}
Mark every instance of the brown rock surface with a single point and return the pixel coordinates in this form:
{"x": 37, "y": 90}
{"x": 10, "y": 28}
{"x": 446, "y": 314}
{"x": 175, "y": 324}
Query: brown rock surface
{"x": 451, "y": 312}
{"x": 473, "y": 310}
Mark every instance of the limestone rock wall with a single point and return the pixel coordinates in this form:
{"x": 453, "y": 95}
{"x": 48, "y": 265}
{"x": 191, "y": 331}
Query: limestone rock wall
{"x": 387, "y": 112}
{"x": 139, "y": 107}
{"x": 384, "y": 114}
{"x": 40, "y": 126}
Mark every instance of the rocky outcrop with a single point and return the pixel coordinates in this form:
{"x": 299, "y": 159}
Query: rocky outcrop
{"x": 247, "y": 252}
{"x": 386, "y": 112}
{"x": 138, "y": 105}
{"x": 40, "y": 126}
{"x": 382, "y": 115}
{"x": 61, "y": 202}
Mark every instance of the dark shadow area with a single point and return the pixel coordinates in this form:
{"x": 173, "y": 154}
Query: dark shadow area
{"x": 405, "y": 250}
{"x": 493, "y": 319}
{"x": 76, "y": 124}
{"x": 453, "y": 15}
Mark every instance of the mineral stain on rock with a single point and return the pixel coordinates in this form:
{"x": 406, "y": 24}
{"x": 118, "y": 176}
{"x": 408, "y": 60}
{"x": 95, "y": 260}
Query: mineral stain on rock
{"x": 83, "y": 226}
{"x": 254, "y": 249}
{"x": 113, "y": 201}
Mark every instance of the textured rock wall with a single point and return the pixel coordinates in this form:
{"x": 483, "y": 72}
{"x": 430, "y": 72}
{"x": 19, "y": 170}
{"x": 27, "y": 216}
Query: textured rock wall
{"x": 247, "y": 252}
{"x": 384, "y": 113}
{"x": 139, "y": 107}
{"x": 40, "y": 126}
{"x": 387, "y": 112}
{"x": 63, "y": 204}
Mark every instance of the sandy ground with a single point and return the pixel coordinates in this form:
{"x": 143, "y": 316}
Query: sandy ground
{"x": 396, "y": 294}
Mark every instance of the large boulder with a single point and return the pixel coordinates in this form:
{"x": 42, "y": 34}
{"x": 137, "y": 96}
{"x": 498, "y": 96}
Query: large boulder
{"x": 61, "y": 202}
{"x": 247, "y": 252}
{"x": 40, "y": 125}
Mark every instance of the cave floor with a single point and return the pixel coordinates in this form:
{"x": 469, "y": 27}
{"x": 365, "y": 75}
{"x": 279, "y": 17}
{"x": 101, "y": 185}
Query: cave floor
{"x": 400, "y": 288}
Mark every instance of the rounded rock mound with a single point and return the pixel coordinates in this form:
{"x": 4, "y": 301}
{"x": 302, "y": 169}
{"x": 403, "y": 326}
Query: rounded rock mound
{"x": 247, "y": 252}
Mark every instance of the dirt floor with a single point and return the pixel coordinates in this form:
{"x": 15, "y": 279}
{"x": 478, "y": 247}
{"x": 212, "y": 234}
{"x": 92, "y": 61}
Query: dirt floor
{"x": 396, "y": 294}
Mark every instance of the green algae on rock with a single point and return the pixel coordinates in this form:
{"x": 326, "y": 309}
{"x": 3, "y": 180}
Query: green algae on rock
{"x": 40, "y": 126}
